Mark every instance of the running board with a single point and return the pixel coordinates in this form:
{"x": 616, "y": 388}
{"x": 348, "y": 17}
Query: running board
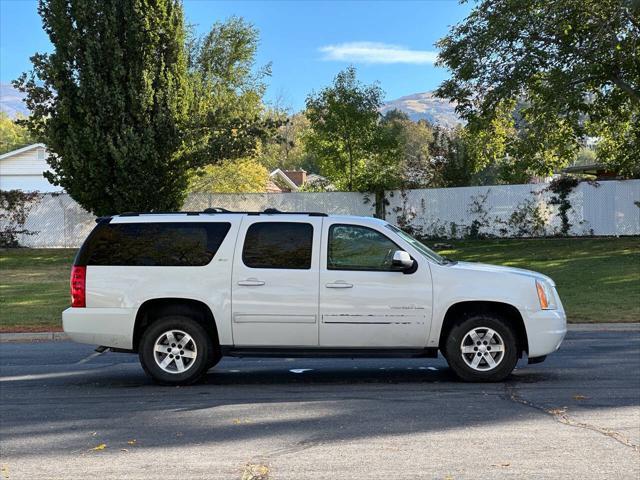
{"x": 321, "y": 352}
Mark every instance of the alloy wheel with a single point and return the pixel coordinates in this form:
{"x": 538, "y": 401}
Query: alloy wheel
{"x": 482, "y": 349}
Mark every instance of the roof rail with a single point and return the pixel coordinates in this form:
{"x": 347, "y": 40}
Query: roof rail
{"x": 219, "y": 210}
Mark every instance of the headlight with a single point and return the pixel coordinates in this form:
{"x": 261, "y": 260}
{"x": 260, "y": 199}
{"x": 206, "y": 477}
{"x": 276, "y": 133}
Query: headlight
{"x": 545, "y": 295}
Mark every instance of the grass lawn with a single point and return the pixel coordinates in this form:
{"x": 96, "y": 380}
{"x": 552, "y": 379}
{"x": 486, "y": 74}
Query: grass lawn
{"x": 34, "y": 288}
{"x": 598, "y": 278}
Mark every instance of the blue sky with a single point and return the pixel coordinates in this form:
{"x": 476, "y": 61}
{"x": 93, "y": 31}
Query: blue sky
{"x": 308, "y": 42}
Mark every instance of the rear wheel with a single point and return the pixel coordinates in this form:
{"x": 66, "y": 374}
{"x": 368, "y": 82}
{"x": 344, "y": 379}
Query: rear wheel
{"x": 482, "y": 348}
{"x": 176, "y": 350}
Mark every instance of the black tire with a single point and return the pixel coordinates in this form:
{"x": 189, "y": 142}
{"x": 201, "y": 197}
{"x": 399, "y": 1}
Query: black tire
{"x": 196, "y": 367}
{"x": 456, "y": 358}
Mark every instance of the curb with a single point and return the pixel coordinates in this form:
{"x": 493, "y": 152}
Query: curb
{"x": 572, "y": 327}
{"x": 33, "y": 337}
{"x": 604, "y": 327}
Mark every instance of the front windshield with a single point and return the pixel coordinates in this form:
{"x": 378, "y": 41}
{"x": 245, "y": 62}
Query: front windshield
{"x": 418, "y": 245}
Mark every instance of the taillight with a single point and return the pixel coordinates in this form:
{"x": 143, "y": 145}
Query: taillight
{"x": 78, "y": 286}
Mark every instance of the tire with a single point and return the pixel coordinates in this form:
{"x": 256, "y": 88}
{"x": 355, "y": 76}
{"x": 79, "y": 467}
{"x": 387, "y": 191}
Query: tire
{"x": 181, "y": 364}
{"x": 491, "y": 364}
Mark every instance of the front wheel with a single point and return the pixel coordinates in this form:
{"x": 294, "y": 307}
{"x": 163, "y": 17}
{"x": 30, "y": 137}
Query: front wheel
{"x": 482, "y": 348}
{"x": 176, "y": 350}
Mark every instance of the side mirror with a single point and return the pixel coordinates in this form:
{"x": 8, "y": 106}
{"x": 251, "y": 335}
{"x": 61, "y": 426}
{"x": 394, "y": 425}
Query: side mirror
{"x": 401, "y": 260}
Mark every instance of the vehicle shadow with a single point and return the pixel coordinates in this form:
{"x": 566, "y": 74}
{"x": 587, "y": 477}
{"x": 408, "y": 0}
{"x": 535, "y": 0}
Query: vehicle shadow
{"x": 327, "y": 401}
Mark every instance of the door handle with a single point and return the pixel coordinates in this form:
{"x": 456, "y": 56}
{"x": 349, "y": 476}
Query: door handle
{"x": 251, "y": 282}
{"x": 339, "y": 284}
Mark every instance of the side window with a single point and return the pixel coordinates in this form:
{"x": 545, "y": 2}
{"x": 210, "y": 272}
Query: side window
{"x": 278, "y": 245}
{"x": 352, "y": 247}
{"x": 153, "y": 244}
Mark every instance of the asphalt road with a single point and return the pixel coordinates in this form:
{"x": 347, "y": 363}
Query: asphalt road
{"x": 575, "y": 416}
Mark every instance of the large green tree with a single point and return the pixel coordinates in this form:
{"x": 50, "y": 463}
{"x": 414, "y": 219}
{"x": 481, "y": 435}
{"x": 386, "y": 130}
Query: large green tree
{"x": 287, "y": 150}
{"x": 571, "y": 66}
{"x": 227, "y": 117}
{"x": 410, "y": 156}
{"x": 345, "y": 134}
{"x": 109, "y": 100}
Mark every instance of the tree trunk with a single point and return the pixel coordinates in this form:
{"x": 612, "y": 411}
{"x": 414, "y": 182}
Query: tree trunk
{"x": 380, "y": 205}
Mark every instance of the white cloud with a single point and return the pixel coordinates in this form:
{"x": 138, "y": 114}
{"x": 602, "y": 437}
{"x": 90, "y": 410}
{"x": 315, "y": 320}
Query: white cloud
{"x": 374, "y": 52}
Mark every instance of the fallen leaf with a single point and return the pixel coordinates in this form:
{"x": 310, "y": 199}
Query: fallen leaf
{"x": 102, "y": 446}
{"x": 238, "y": 421}
{"x": 5, "y": 470}
{"x": 253, "y": 471}
{"x": 557, "y": 411}
{"x": 505, "y": 464}
{"x": 124, "y": 450}
{"x": 132, "y": 442}
{"x": 580, "y": 397}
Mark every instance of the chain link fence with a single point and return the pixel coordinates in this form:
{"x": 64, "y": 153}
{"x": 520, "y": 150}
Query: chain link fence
{"x": 607, "y": 208}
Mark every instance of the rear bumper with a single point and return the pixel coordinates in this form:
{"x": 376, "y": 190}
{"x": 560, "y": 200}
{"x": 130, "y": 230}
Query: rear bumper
{"x": 111, "y": 327}
{"x": 545, "y": 331}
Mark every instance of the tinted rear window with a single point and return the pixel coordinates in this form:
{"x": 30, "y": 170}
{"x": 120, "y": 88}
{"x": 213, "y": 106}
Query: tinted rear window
{"x": 153, "y": 244}
{"x": 278, "y": 245}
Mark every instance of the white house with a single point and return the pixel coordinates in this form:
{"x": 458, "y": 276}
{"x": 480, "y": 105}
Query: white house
{"x": 23, "y": 169}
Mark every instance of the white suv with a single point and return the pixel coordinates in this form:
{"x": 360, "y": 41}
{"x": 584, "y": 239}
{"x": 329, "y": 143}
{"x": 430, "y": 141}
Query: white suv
{"x": 184, "y": 289}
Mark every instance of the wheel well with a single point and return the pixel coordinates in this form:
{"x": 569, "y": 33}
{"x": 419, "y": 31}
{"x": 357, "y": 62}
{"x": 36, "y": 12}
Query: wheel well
{"x": 154, "y": 309}
{"x": 464, "y": 309}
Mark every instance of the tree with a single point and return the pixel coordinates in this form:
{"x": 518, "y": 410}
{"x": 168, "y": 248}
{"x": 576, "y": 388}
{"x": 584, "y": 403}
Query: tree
{"x": 12, "y": 135}
{"x": 345, "y": 133}
{"x": 412, "y": 155}
{"x": 287, "y": 149}
{"x": 227, "y": 118}
{"x": 573, "y": 66}
{"x": 109, "y": 100}
{"x": 231, "y": 176}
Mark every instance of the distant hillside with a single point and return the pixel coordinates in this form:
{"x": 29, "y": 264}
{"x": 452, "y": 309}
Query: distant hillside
{"x": 11, "y": 101}
{"x": 425, "y": 106}
{"x": 418, "y": 106}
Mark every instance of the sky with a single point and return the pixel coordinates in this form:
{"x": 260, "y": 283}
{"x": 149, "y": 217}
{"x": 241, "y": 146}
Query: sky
{"x": 307, "y": 42}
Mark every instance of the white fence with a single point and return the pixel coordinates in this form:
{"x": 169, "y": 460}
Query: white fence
{"x": 603, "y": 208}
{"x": 606, "y": 209}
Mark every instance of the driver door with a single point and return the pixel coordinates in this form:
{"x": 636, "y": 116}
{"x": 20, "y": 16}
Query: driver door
{"x": 363, "y": 301}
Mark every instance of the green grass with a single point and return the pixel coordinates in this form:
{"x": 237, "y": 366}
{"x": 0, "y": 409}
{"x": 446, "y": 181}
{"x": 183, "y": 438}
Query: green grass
{"x": 34, "y": 288}
{"x": 598, "y": 278}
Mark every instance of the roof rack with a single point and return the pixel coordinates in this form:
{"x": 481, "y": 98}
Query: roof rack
{"x": 218, "y": 210}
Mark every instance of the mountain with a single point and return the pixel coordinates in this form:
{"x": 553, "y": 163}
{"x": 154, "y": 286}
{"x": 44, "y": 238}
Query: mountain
{"x": 11, "y": 101}
{"x": 418, "y": 106}
{"x": 425, "y": 106}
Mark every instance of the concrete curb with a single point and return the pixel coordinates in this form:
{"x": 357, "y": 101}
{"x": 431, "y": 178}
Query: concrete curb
{"x": 573, "y": 327}
{"x": 604, "y": 327}
{"x": 32, "y": 337}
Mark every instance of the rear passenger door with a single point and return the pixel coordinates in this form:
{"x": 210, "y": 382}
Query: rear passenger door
{"x": 275, "y": 282}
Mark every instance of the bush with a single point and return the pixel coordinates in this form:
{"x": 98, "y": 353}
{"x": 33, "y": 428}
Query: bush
{"x": 15, "y": 206}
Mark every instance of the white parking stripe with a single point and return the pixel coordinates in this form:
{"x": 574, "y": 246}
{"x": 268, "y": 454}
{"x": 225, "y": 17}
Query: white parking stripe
{"x": 42, "y": 376}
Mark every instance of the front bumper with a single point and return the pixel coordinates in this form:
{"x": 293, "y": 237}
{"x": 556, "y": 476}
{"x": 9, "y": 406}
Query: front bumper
{"x": 111, "y": 327}
{"x": 545, "y": 331}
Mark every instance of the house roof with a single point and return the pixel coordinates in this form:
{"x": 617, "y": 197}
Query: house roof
{"x": 22, "y": 150}
{"x": 277, "y": 173}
